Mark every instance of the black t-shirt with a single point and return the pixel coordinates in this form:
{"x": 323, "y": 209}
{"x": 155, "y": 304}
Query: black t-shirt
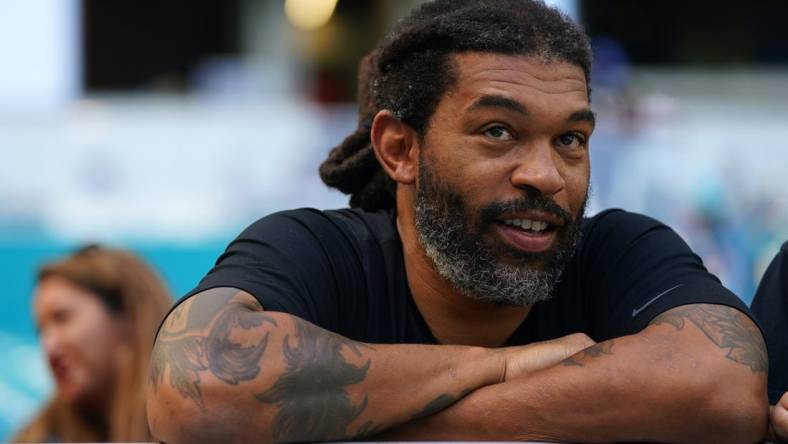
{"x": 343, "y": 270}
{"x": 770, "y": 307}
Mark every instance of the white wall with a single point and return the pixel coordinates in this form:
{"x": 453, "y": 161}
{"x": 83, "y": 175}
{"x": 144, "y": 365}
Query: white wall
{"x": 39, "y": 53}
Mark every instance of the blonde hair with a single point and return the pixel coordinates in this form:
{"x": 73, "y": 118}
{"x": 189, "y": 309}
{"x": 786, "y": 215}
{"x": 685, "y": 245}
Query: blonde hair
{"x": 131, "y": 288}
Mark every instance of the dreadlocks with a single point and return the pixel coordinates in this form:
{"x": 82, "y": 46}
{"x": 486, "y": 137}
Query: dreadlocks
{"x": 352, "y": 167}
{"x": 411, "y": 70}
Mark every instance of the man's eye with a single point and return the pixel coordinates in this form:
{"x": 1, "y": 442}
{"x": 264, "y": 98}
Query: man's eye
{"x": 498, "y": 133}
{"x": 571, "y": 141}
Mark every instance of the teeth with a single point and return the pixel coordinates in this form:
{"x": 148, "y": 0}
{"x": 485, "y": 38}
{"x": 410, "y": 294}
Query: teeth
{"x": 527, "y": 224}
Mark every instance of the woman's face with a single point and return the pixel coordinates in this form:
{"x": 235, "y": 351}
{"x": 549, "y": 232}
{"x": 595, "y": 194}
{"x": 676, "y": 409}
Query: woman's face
{"x": 80, "y": 337}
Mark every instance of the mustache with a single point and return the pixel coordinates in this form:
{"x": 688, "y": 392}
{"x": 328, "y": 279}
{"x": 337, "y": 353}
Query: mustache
{"x": 533, "y": 201}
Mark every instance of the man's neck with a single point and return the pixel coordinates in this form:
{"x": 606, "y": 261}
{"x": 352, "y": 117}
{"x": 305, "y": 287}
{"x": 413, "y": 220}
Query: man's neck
{"x": 452, "y": 317}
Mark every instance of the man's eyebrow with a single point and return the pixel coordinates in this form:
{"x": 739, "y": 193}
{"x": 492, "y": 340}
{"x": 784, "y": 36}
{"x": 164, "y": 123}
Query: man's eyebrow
{"x": 493, "y": 101}
{"x": 584, "y": 115}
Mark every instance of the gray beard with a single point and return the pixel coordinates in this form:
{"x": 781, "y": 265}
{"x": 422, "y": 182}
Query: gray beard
{"x": 469, "y": 264}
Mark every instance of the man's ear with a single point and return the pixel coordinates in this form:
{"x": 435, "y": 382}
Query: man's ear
{"x": 396, "y": 147}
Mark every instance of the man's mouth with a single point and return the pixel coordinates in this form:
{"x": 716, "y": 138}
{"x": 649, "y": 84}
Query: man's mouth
{"x": 528, "y": 225}
{"x": 532, "y": 234}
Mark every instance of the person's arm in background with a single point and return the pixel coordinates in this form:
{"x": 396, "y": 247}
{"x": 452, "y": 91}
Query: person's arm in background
{"x": 696, "y": 374}
{"x": 224, "y": 370}
{"x": 778, "y": 420}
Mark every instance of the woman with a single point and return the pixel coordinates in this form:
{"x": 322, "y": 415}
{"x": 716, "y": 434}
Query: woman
{"x": 97, "y": 312}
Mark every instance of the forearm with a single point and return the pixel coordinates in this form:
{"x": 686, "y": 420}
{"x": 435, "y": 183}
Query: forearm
{"x": 664, "y": 384}
{"x": 265, "y": 376}
{"x": 602, "y": 401}
{"x": 588, "y": 400}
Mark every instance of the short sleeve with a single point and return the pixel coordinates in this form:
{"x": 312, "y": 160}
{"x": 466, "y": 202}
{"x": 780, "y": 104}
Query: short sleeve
{"x": 640, "y": 268}
{"x": 770, "y": 307}
{"x": 297, "y": 262}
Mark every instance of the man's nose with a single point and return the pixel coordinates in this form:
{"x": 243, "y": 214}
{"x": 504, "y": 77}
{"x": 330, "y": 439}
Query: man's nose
{"x": 537, "y": 168}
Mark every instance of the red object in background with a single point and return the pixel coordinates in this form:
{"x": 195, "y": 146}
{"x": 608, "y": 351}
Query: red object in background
{"x": 328, "y": 88}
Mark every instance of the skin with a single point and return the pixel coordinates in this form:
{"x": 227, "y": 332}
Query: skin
{"x": 80, "y": 337}
{"x": 489, "y": 154}
{"x": 460, "y": 149}
{"x": 779, "y": 420}
{"x": 225, "y": 369}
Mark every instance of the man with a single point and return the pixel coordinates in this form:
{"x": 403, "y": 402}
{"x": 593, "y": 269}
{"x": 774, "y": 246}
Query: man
{"x": 770, "y": 306}
{"x": 465, "y": 297}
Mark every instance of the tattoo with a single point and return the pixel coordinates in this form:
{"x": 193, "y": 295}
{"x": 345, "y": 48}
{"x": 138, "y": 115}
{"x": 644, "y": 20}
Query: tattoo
{"x": 311, "y": 396}
{"x": 594, "y": 351}
{"x": 571, "y": 362}
{"x": 727, "y": 328}
{"x": 186, "y": 353}
{"x": 438, "y": 404}
{"x": 230, "y": 361}
{"x": 435, "y": 406}
{"x": 197, "y": 313}
{"x": 185, "y": 358}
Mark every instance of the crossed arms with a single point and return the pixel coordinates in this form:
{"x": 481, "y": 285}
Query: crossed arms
{"x": 223, "y": 369}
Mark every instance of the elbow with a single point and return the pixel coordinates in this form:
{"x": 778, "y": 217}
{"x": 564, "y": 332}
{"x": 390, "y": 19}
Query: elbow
{"x": 194, "y": 391}
{"x": 171, "y": 419}
{"x": 186, "y": 405}
{"x": 739, "y": 411}
{"x": 159, "y": 424}
{"x": 175, "y": 418}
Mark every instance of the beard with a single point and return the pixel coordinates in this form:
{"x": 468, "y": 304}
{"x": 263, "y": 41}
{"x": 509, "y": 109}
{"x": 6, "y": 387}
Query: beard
{"x": 494, "y": 273}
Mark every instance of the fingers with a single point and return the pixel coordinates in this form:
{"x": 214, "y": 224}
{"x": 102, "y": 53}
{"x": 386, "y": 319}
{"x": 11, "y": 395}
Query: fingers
{"x": 779, "y": 419}
{"x": 541, "y": 355}
{"x": 556, "y": 350}
{"x": 576, "y": 342}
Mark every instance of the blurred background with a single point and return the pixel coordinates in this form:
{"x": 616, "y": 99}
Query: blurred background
{"x": 166, "y": 127}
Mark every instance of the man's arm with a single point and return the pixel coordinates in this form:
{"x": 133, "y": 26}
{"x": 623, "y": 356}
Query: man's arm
{"x": 696, "y": 374}
{"x": 224, "y": 370}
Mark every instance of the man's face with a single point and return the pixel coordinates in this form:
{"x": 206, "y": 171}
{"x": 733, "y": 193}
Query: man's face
{"x": 503, "y": 176}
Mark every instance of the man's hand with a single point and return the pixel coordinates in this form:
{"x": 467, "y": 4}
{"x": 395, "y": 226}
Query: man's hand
{"x": 523, "y": 360}
{"x": 778, "y": 420}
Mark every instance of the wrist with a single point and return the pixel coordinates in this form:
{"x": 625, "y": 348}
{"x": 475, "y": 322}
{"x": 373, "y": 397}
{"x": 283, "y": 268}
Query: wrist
{"x": 489, "y": 363}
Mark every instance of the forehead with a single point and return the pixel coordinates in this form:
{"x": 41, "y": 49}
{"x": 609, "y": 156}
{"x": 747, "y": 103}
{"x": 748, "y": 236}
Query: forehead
{"x": 527, "y": 78}
{"x": 54, "y": 292}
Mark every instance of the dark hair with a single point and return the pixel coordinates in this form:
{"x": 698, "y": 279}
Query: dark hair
{"x": 411, "y": 70}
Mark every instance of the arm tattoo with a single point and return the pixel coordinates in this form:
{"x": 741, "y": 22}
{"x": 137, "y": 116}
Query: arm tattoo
{"x": 594, "y": 351}
{"x": 185, "y": 358}
{"x": 727, "y": 328}
{"x": 186, "y": 352}
{"x": 230, "y": 361}
{"x": 435, "y": 406}
{"x": 438, "y": 404}
{"x": 311, "y": 396}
